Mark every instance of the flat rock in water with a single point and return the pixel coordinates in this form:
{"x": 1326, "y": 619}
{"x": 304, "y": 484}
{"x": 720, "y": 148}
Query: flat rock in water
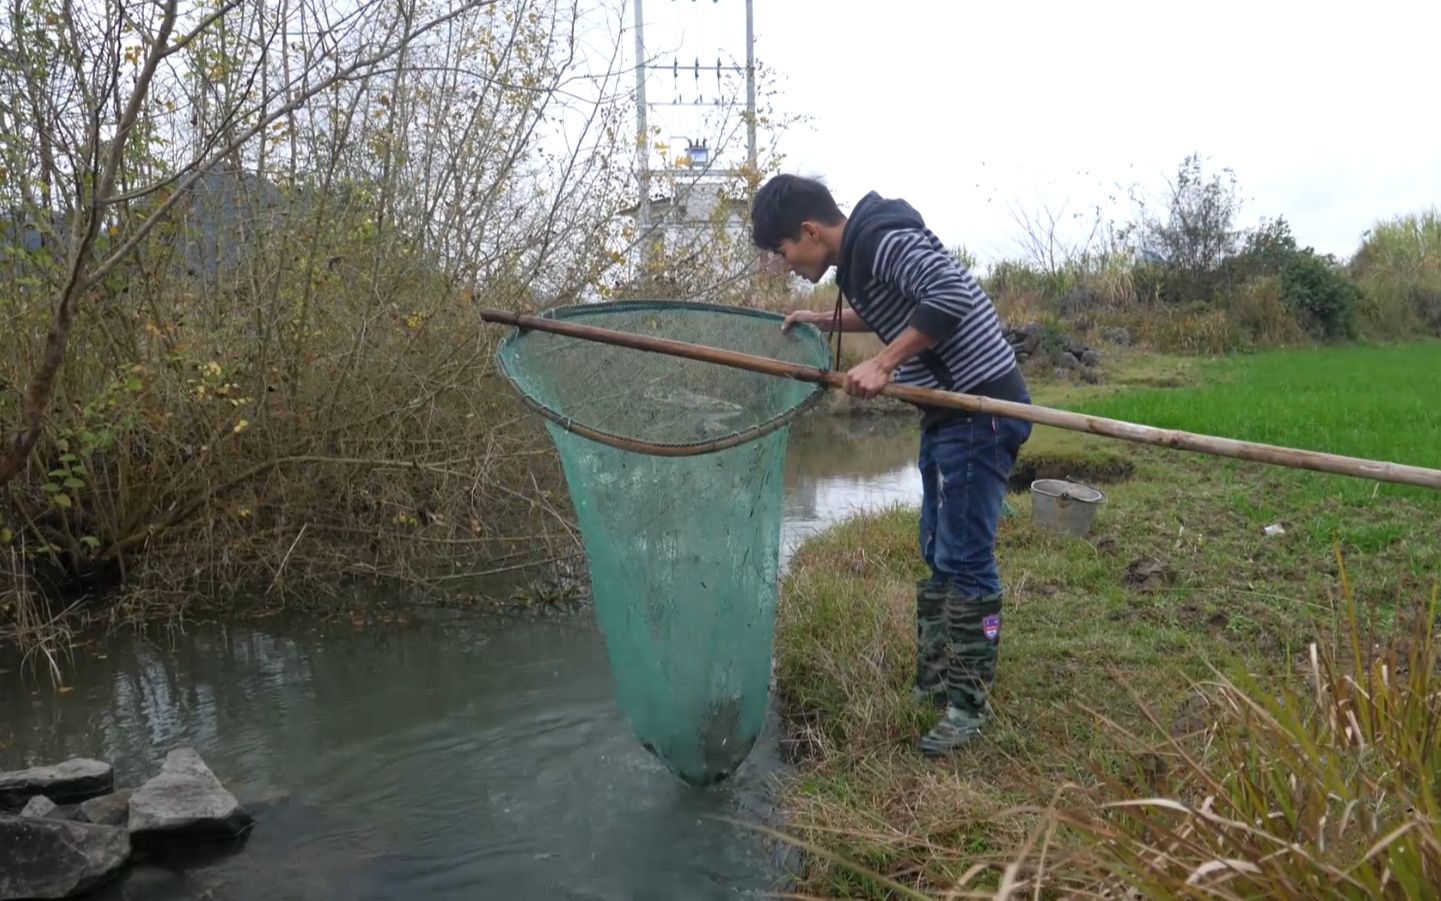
{"x": 39, "y": 806}
{"x": 185, "y": 803}
{"x": 65, "y": 783}
{"x": 106, "y": 810}
{"x": 44, "y": 858}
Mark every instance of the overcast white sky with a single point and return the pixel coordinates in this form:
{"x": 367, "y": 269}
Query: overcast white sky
{"x": 969, "y": 110}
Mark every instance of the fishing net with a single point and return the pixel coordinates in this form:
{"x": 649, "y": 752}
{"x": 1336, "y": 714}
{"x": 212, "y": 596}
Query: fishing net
{"x": 674, "y": 467}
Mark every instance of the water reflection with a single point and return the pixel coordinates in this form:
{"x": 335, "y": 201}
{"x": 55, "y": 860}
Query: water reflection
{"x": 839, "y": 466}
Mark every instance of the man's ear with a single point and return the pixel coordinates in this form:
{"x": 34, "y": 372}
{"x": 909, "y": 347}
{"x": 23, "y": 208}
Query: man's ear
{"x": 810, "y": 230}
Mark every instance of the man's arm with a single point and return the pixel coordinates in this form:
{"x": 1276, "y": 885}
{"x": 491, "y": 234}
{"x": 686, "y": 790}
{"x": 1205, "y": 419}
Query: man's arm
{"x": 869, "y": 378}
{"x": 945, "y": 294}
{"x": 825, "y": 321}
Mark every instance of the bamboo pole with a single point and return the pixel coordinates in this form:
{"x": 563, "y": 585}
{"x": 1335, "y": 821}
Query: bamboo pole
{"x": 1356, "y": 467}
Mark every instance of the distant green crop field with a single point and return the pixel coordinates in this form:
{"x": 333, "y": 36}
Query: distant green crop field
{"x": 1381, "y": 403}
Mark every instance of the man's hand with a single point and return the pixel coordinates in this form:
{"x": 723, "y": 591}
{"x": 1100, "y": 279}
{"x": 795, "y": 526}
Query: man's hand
{"x": 802, "y": 317}
{"x": 826, "y": 321}
{"x": 869, "y": 378}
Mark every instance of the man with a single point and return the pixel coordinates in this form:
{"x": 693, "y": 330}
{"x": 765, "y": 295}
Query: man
{"x": 940, "y": 331}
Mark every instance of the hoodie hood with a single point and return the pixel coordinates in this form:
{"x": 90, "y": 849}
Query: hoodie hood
{"x": 873, "y": 217}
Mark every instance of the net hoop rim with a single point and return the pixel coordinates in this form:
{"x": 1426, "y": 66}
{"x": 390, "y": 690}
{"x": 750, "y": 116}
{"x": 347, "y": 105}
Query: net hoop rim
{"x": 573, "y": 312}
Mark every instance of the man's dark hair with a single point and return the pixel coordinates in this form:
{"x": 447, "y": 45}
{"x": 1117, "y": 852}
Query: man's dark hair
{"x": 783, "y": 203}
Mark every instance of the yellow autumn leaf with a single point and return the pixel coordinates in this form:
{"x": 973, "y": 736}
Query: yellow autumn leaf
{"x": 241, "y": 426}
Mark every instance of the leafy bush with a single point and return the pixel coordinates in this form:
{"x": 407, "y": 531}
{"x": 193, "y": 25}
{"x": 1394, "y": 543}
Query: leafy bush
{"x": 1316, "y": 287}
{"x": 1151, "y": 283}
{"x": 1261, "y": 313}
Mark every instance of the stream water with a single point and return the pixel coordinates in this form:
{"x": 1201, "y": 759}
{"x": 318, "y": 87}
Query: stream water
{"x": 446, "y": 757}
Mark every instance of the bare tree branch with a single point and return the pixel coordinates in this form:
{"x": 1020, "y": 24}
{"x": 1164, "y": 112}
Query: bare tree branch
{"x": 198, "y": 169}
{"x": 42, "y": 383}
{"x": 85, "y": 275}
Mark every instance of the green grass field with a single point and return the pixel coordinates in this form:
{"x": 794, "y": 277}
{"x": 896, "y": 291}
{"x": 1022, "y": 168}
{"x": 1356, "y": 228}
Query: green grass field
{"x": 1375, "y": 402}
{"x": 1176, "y": 576}
{"x": 1380, "y": 403}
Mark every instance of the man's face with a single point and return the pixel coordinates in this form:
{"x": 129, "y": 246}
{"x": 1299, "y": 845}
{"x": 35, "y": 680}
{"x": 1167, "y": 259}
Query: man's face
{"x": 805, "y": 255}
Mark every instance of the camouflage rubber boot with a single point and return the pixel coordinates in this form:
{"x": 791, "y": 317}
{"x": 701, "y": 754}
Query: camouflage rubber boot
{"x": 930, "y": 643}
{"x": 973, "y": 627}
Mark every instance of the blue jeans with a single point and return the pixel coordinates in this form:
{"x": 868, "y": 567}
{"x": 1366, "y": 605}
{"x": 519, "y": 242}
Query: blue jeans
{"x": 965, "y": 467}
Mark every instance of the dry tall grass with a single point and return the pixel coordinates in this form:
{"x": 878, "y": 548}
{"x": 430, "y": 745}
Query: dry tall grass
{"x": 1399, "y": 269}
{"x": 1321, "y": 787}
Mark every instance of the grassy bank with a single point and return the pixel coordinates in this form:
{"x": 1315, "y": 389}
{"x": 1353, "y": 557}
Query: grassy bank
{"x": 1103, "y": 633}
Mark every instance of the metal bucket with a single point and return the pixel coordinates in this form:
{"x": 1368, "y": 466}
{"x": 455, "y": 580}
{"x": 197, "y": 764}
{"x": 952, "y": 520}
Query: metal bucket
{"x": 1065, "y": 507}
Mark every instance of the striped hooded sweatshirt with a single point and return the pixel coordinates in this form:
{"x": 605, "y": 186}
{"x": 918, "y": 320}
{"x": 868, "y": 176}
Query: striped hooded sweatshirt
{"x": 895, "y": 273}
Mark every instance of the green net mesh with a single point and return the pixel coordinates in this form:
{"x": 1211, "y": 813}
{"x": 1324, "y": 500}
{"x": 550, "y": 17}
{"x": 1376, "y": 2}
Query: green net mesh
{"x": 677, "y": 488}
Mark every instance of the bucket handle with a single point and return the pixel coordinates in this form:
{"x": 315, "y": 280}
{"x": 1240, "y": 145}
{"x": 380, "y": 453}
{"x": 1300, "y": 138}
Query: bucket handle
{"x": 1083, "y": 483}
